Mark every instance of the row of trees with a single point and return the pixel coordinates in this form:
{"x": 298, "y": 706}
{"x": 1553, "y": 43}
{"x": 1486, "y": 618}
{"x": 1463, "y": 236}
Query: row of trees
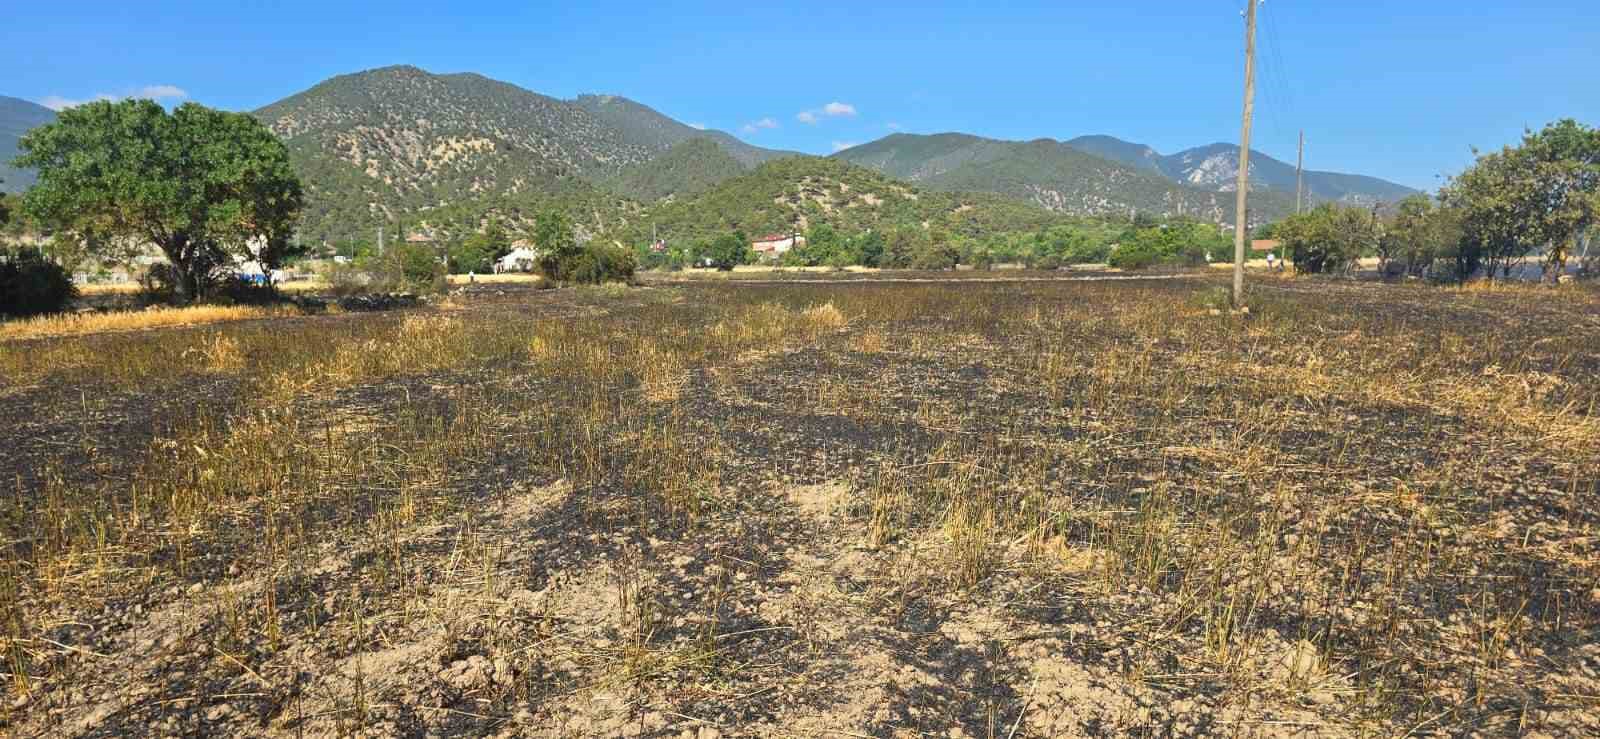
{"x": 1541, "y": 197}
{"x": 1142, "y": 243}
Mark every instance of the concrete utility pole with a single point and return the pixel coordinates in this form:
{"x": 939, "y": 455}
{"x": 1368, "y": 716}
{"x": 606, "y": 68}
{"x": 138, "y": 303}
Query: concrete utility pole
{"x": 1299, "y": 171}
{"x": 1244, "y": 155}
{"x": 380, "y": 241}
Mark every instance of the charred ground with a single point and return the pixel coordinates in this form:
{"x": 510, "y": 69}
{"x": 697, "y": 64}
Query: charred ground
{"x": 985, "y": 509}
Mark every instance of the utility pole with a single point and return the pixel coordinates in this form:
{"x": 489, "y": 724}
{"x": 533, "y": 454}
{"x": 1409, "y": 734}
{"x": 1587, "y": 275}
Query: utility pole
{"x": 380, "y": 241}
{"x": 1244, "y": 155}
{"x": 1299, "y": 171}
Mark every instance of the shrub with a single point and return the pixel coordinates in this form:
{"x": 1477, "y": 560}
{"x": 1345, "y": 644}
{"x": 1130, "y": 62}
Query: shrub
{"x": 31, "y": 285}
{"x": 598, "y": 263}
{"x": 410, "y": 268}
{"x": 349, "y": 278}
{"x": 933, "y": 256}
{"x": 1084, "y": 251}
{"x": 158, "y": 285}
{"x": 417, "y": 268}
{"x": 1329, "y": 237}
{"x": 564, "y": 260}
{"x": 236, "y": 290}
{"x": 1137, "y": 255}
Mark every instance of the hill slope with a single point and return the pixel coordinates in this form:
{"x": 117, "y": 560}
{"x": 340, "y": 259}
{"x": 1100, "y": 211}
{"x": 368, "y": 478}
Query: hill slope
{"x": 1216, "y": 167}
{"x": 799, "y": 192}
{"x": 648, "y": 127}
{"x": 402, "y": 144}
{"x": 17, "y": 116}
{"x": 1051, "y": 174}
{"x": 687, "y": 168}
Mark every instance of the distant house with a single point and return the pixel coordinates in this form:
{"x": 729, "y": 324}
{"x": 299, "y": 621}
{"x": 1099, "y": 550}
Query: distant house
{"x": 773, "y": 245}
{"x": 519, "y": 259}
{"x": 419, "y": 237}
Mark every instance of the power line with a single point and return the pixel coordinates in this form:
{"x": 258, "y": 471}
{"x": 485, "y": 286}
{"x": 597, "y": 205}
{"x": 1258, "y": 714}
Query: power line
{"x": 1280, "y": 108}
{"x": 1275, "y": 48}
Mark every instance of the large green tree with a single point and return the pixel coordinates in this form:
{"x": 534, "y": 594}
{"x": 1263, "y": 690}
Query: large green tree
{"x": 1541, "y": 194}
{"x": 1329, "y": 237}
{"x": 204, "y": 186}
{"x": 1567, "y": 156}
{"x": 557, "y": 243}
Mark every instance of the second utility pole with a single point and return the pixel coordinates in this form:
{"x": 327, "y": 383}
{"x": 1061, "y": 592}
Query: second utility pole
{"x": 1244, "y": 155}
{"x": 1299, "y": 171}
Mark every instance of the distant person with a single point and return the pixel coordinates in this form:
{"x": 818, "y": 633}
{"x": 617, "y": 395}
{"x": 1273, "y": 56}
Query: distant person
{"x": 1272, "y": 260}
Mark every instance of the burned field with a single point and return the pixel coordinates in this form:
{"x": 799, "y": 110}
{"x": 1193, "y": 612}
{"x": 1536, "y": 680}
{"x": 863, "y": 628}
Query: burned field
{"x": 978, "y": 509}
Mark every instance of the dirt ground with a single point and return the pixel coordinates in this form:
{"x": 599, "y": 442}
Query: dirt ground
{"x": 699, "y": 510}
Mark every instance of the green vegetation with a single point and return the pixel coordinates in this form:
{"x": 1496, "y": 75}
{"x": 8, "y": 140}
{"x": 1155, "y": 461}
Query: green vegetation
{"x": 405, "y": 268}
{"x": 798, "y": 193}
{"x": 1417, "y": 235}
{"x": 1330, "y": 238}
{"x": 399, "y": 145}
{"x": 31, "y": 284}
{"x": 563, "y": 259}
{"x": 1541, "y": 195}
{"x": 689, "y": 168}
{"x": 647, "y": 127}
{"x": 205, "y": 186}
{"x": 479, "y": 250}
{"x": 1051, "y": 174}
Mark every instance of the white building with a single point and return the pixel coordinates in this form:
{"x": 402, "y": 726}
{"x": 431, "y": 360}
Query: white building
{"x": 520, "y": 259}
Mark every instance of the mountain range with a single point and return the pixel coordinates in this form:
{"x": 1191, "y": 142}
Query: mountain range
{"x": 444, "y": 151}
{"x": 1049, "y": 173}
{"x": 16, "y": 117}
{"x": 1216, "y": 167}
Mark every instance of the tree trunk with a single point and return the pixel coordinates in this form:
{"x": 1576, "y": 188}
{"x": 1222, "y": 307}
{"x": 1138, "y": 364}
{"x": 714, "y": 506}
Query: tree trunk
{"x": 186, "y": 283}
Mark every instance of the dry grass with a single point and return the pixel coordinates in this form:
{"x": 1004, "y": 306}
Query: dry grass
{"x": 506, "y": 278}
{"x": 150, "y": 318}
{"x": 1065, "y": 508}
{"x": 130, "y": 288}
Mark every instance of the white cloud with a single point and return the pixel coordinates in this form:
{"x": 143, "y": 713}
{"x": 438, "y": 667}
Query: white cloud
{"x": 833, "y": 109}
{"x": 842, "y": 145}
{"x": 892, "y": 126}
{"x": 698, "y": 126}
{"x": 56, "y": 102}
{"x": 161, "y": 92}
{"x": 758, "y": 125}
{"x": 152, "y": 92}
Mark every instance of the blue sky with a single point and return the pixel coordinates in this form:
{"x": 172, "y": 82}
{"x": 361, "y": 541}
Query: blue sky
{"x": 1397, "y": 90}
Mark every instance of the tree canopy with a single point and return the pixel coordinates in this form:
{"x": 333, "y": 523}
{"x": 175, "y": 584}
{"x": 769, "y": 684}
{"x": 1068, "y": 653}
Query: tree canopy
{"x": 1329, "y": 237}
{"x": 1541, "y": 194}
{"x": 204, "y": 186}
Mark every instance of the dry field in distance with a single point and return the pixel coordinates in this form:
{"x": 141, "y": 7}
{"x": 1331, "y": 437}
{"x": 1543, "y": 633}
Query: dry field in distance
{"x": 985, "y": 509}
